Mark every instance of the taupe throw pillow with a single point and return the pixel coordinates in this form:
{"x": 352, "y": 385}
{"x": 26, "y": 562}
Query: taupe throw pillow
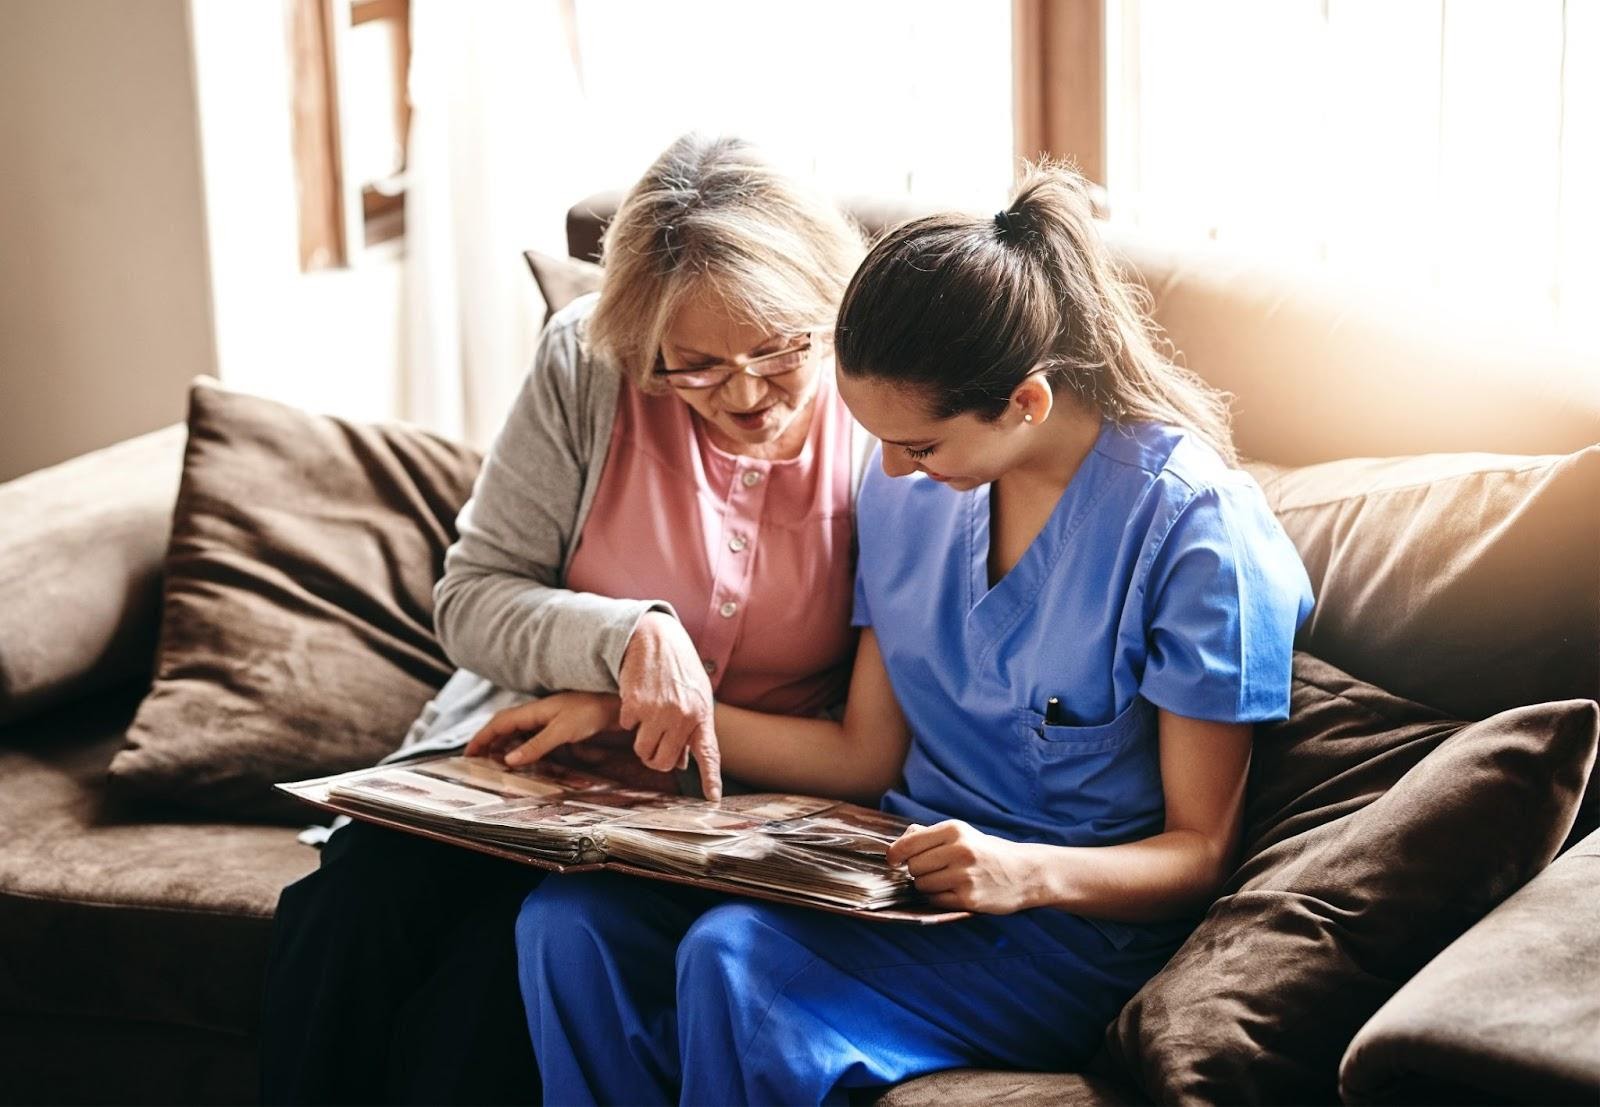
{"x": 561, "y": 280}
{"x": 1470, "y": 582}
{"x": 297, "y": 613}
{"x": 1376, "y": 832}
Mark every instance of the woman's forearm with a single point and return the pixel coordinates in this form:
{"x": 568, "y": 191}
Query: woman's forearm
{"x": 1167, "y": 876}
{"x": 806, "y": 755}
{"x": 534, "y": 638}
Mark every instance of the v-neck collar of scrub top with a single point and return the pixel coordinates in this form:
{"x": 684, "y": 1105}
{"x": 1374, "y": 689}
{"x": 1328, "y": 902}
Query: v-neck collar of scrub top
{"x": 991, "y": 611}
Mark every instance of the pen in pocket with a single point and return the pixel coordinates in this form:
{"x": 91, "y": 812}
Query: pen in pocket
{"x": 1052, "y": 712}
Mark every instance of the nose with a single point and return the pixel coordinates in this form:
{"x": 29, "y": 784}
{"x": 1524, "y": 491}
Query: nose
{"x": 896, "y": 464}
{"x": 744, "y": 392}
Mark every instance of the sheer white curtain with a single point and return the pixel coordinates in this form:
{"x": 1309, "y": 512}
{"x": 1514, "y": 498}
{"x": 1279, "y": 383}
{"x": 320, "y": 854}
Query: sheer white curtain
{"x": 507, "y": 132}
{"x": 498, "y": 145}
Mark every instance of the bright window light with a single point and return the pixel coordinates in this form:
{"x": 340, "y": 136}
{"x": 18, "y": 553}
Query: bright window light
{"x": 1453, "y": 144}
{"x": 893, "y": 96}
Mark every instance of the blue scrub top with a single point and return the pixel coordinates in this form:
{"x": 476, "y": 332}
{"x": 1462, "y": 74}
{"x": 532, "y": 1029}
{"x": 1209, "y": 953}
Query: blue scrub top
{"x": 1161, "y": 579}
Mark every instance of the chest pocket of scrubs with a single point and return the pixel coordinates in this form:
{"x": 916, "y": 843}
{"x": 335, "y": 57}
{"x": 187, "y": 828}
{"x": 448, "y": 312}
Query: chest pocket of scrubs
{"x": 1103, "y": 782}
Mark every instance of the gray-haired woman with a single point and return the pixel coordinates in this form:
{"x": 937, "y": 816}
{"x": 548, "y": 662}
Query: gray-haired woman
{"x": 676, "y": 474}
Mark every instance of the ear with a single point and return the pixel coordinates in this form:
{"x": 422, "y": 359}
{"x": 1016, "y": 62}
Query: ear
{"x": 1032, "y": 397}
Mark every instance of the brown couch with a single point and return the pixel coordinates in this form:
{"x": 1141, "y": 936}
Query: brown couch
{"x": 132, "y": 937}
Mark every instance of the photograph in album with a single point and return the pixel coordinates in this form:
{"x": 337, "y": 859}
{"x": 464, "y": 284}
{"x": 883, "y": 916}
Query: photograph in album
{"x": 795, "y": 849}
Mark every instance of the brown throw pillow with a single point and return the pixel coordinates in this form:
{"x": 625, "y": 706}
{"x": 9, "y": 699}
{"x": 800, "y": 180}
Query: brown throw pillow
{"x": 561, "y": 280}
{"x": 297, "y": 611}
{"x": 1470, "y": 582}
{"x": 1376, "y": 832}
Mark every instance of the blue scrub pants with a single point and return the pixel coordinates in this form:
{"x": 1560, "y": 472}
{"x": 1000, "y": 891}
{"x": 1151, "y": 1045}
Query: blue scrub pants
{"x": 639, "y": 992}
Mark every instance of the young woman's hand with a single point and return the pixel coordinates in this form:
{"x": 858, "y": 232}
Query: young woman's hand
{"x": 666, "y": 699}
{"x": 528, "y": 731}
{"x": 959, "y": 867}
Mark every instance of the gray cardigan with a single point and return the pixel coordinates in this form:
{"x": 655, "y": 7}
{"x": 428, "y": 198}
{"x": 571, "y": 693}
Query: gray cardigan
{"x": 501, "y": 609}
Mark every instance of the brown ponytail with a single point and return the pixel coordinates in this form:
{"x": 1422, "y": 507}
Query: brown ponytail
{"x": 966, "y": 308}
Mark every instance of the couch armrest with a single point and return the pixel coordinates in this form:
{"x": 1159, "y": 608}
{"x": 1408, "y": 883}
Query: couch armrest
{"x": 81, "y": 546}
{"x": 1510, "y": 1013}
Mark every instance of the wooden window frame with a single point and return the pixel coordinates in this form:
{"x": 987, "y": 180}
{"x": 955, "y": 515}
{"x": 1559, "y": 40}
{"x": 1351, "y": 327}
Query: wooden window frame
{"x": 339, "y": 218}
{"x": 1058, "y": 82}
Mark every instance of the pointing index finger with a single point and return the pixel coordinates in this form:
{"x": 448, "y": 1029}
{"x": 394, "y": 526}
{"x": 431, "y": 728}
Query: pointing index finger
{"x": 708, "y": 757}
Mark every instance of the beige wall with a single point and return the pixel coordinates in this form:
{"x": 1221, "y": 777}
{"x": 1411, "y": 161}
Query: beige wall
{"x": 105, "y": 309}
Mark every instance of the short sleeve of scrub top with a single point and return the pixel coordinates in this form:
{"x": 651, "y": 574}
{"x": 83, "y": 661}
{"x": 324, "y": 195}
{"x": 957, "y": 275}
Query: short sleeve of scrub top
{"x": 1223, "y": 596}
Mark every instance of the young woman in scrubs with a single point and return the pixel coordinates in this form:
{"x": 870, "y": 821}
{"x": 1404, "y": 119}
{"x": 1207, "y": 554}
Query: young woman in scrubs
{"x": 1073, "y": 609}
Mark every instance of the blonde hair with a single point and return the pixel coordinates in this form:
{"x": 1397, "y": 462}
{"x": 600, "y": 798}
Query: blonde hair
{"x": 968, "y": 307}
{"x": 712, "y": 218}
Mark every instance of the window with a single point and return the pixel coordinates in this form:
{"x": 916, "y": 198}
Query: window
{"x": 1449, "y": 143}
{"x": 350, "y": 60}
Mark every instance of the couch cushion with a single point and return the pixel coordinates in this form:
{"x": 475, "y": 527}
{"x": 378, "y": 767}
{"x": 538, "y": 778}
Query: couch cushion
{"x": 297, "y": 610}
{"x": 1470, "y": 582}
{"x": 1376, "y": 832}
{"x": 80, "y": 566}
{"x": 1508, "y": 1014}
{"x": 1009, "y": 1089}
{"x": 1323, "y": 367}
{"x": 146, "y": 917}
{"x": 561, "y": 280}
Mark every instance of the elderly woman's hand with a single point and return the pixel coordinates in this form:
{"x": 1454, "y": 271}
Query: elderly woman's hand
{"x": 553, "y": 721}
{"x": 666, "y": 696}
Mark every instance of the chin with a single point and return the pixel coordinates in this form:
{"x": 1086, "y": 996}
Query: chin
{"x": 957, "y": 483}
{"x": 759, "y": 437}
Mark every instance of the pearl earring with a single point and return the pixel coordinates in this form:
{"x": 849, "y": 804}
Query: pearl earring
{"x": 1027, "y": 416}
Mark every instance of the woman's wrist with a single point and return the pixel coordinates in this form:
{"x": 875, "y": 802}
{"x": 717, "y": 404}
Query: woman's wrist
{"x": 653, "y": 625}
{"x": 1046, "y": 875}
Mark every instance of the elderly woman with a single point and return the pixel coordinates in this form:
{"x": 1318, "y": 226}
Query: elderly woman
{"x": 666, "y": 516}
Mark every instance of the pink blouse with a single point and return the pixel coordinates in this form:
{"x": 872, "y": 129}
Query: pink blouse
{"x": 753, "y": 555}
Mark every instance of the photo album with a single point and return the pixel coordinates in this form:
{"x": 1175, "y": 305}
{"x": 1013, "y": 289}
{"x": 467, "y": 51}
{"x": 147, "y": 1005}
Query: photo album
{"x": 801, "y": 850}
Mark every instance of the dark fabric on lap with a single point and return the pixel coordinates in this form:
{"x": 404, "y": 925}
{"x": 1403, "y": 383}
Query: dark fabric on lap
{"x": 392, "y": 977}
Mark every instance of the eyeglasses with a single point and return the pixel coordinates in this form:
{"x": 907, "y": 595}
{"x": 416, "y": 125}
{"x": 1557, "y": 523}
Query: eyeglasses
{"x": 807, "y": 352}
